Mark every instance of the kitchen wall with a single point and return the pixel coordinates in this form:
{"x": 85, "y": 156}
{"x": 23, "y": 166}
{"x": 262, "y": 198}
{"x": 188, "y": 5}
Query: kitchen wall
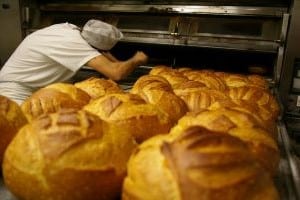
{"x": 10, "y": 28}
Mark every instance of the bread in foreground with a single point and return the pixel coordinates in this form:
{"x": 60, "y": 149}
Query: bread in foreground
{"x": 11, "y": 120}
{"x": 68, "y": 155}
{"x": 52, "y": 98}
{"x": 196, "y": 164}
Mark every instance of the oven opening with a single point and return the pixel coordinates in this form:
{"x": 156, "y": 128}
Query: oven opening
{"x": 235, "y": 61}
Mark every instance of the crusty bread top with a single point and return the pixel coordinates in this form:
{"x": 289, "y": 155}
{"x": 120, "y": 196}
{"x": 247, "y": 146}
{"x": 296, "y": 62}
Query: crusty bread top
{"x": 98, "y": 87}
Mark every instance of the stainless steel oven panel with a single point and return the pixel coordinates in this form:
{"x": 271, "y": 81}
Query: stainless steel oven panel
{"x": 289, "y": 165}
{"x": 191, "y": 25}
{"x": 184, "y": 9}
{"x": 242, "y": 27}
{"x": 292, "y": 53}
{"x": 11, "y": 33}
{"x": 231, "y": 43}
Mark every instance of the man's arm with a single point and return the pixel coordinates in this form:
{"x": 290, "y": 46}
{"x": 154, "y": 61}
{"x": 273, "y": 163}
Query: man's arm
{"x": 117, "y": 70}
{"x": 109, "y": 56}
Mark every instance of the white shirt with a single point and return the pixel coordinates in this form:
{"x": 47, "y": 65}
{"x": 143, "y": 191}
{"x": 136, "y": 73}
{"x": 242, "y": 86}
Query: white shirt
{"x": 52, "y": 54}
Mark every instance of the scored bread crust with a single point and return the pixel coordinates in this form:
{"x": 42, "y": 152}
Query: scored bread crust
{"x": 129, "y": 113}
{"x": 238, "y": 124}
{"x": 98, "y": 87}
{"x": 11, "y": 120}
{"x": 52, "y": 98}
{"x": 68, "y": 155}
{"x": 196, "y": 164}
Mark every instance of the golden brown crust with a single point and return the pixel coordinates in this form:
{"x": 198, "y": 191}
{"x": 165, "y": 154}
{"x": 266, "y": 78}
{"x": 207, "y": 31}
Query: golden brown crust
{"x": 150, "y": 82}
{"x": 67, "y": 155}
{"x": 158, "y": 69}
{"x": 258, "y": 80}
{"x": 11, "y": 120}
{"x": 184, "y": 69}
{"x": 208, "y": 78}
{"x": 98, "y": 87}
{"x": 197, "y": 99}
{"x": 263, "y": 98}
{"x": 239, "y": 80}
{"x": 52, "y": 98}
{"x": 196, "y": 164}
{"x": 214, "y": 170}
{"x": 141, "y": 119}
{"x": 262, "y": 117}
{"x": 170, "y": 103}
{"x": 173, "y": 77}
{"x": 238, "y": 124}
{"x": 189, "y": 84}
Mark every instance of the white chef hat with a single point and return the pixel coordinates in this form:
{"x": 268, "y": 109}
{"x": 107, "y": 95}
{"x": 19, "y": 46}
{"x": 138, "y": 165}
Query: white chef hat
{"x": 101, "y": 35}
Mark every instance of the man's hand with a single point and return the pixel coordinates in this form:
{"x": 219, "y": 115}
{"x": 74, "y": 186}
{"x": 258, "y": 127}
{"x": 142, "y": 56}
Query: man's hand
{"x": 140, "y": 58}
{"x": 117, "y": 70}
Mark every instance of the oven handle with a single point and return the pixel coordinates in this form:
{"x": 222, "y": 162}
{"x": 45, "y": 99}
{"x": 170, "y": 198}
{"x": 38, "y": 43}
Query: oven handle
{"x": 291, "y": 160}
{"x": 176, "y": 30}
{"x": 281, "y": 49}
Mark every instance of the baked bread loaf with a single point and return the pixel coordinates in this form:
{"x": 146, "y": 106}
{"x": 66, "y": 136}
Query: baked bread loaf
{"x": 258, "y": 80}
{"x": 197, "y": 99}
{"x": 158, "y": 69}
{"x": 188, "y": 85}
{"x": 197, "y": 164}
{"x": 239, "y": 80}
{"x": 156, "y": 90}
{"x": 208, "y": 78}
{"x": 11, "y": 120}
{"x": 150, "y": 82}
{"x": 129, "y": 113}
{"x": 173, "y": 76}
{"x": 67, "y": 155}
{"x": 169, "y": 102}
{"x": 98, "y": 87}
{"x": 263, "y": 98}
{"x": 240, "y": 125}
{"x": 262, "y": 116}
{"x": 52, "y": 98}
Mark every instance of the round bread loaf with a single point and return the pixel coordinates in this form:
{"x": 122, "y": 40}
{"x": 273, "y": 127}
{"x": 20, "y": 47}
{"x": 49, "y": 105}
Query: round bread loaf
{"x": 197, "y": 164}
{"x": 262, "y": 116}
{"x": 98, "y": 87}
{"x": 151, "y": 82}
{"x": 170, "y": 103}
{"x": 173, "y": 76}
{"x": 208, "y": 78}
{"x": 239, "y": 80}
{"x": 263, "y": 98}
{"x": 11, "y": 120}
{"x": 188, "y": 85}
{"x": 67, "y": 155}
{"x": 129, "y": 113}
{"x": 156, "y": 90}
{"x": 52, "y": 98}
{"x": 197, "y": 99}
{"x": 258, "y": 80}
{"x": 240, "y": 125}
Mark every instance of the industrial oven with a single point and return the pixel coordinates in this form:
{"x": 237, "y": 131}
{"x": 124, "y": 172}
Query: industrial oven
{"x": 242, "y": 36}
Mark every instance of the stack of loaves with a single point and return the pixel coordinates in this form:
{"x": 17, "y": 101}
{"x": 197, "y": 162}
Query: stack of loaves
{"x": 224, "y": 147}
{"x": 179, "y": 134}
{"x": 77, "y": 139}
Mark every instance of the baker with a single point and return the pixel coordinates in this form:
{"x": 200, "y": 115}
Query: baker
{"x": 56, "y": 53}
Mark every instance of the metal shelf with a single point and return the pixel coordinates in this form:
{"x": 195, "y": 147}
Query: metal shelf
{"x": 184, "y": 9}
